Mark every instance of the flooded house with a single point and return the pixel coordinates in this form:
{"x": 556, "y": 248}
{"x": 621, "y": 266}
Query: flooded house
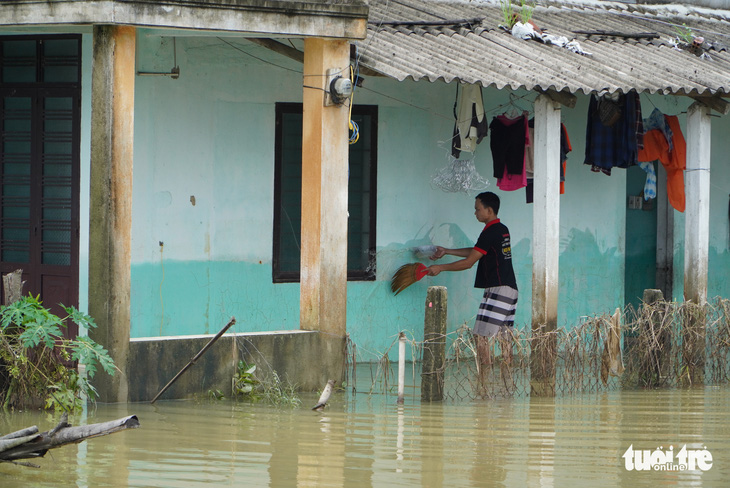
{"x": 168, "y": 165}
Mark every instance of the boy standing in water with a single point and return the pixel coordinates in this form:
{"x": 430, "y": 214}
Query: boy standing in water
{"x": 495, "y": 274}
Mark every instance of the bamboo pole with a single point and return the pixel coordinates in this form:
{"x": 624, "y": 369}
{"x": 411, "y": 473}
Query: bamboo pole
{"x": 192, "y": 361}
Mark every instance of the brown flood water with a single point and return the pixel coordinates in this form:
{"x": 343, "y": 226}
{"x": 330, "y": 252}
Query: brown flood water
{"x": 362, "y": 440}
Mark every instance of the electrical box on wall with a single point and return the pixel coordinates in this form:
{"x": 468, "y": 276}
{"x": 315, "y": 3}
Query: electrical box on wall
{"x": 637, "y": 202}
{"x": 338, "y": 86}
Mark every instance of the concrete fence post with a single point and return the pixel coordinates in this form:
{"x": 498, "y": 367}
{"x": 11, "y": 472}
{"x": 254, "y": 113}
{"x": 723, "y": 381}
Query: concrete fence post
{"x": 434, "y": 345}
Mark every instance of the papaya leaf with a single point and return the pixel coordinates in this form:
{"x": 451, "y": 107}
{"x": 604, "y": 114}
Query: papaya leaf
{"x": 89, "y": 353}
{"x": 80, "y": 317}
{"x": 36, "y": 333}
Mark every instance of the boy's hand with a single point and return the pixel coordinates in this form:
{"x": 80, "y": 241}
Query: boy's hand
{"x": 434, "y": 270}
{"x": 440, "y": 252}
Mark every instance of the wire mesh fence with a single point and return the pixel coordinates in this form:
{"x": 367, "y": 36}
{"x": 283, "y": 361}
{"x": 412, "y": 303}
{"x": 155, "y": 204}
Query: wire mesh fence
{"x": 665, "y": 344}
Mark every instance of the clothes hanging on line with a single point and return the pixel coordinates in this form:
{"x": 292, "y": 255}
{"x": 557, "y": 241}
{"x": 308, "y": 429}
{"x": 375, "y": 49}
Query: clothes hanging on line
{"x": 471, "y": 122}
{"x": 565, "y": 148}
{"x": 650, "y": 184}
{"x": 615, "y": 145}
{"x": 657, "y": 147}
{"x": 509, "y": 137}
{"x": 657, "y": 121}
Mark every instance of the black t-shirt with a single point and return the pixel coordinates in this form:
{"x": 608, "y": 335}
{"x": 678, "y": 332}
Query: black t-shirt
{"x": 495, "y": 267}
{"x": 508, "y": 145}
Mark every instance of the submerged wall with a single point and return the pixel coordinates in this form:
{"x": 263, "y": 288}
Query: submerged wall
{"x": 203, "y": 201}
{"x": 299, "y": 358}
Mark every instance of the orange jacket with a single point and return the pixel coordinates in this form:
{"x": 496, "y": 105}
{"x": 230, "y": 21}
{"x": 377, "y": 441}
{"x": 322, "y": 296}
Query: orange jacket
{"x": 675, "y": 162}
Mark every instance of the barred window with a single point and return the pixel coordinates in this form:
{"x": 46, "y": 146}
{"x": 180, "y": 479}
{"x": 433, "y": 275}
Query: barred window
{"x": 288, "y": 194}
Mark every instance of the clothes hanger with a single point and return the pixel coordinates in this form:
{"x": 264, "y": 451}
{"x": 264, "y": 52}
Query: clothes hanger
{"x": 514, "y": 110}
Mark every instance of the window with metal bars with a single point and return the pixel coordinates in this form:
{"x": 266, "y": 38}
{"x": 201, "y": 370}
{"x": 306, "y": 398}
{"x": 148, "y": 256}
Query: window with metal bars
{"x": 288, "y": 194}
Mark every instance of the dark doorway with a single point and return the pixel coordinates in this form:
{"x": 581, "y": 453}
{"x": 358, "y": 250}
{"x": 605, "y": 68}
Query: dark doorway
{"x": 39, "y": 162}
{"x": 641, "y": 239}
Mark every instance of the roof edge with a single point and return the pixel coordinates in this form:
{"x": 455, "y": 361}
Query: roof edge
{"x": 315, "y": 18}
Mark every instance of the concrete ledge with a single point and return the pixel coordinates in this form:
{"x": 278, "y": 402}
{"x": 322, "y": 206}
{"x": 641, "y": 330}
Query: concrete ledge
{"x": 307, "y": 359}
{"x": 294, "y": 18}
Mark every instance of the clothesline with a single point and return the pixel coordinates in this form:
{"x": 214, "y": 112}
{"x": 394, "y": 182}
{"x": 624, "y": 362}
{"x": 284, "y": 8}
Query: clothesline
{"x": 617, "y": 136}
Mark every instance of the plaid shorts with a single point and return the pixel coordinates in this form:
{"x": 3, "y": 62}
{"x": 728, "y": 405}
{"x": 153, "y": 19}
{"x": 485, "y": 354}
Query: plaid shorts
{"x": 497, "y": 311}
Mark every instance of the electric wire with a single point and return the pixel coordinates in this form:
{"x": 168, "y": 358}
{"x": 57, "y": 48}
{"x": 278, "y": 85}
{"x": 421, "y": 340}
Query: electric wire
{"x": 352, "y": 124}
{"x": 256, "y": 57}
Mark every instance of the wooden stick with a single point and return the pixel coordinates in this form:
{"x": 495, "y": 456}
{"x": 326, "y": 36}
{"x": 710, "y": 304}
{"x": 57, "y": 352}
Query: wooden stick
{"x": 476, "y": 20}
{"x": 625, "y": 35}
{"x": 192, "y": 361}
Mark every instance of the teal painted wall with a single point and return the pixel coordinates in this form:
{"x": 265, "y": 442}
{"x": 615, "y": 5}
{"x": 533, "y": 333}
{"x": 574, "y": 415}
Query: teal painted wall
{"x": 209, "y": 135}
{"x": 203, "y": 186}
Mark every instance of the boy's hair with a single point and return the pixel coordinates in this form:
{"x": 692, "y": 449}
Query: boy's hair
{"x": 489, "y": 199}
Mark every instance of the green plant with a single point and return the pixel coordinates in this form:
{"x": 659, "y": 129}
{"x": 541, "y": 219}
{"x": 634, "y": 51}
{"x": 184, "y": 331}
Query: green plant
{"x": 216, "y": 394}
{"x": 508, "y": 13}
{"x": 511, "y": 15}
{"x": 244, "y": 380}
{"x": 268, "y": 390}
{"x": 684, "y": 33}
{"x": 526, "y": 11}
{"x": 37, "y": 363}
{"x": 275, "y": 392}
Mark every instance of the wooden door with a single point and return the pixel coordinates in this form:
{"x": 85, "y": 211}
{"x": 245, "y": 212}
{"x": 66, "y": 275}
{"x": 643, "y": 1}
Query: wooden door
{"x": 39, "y": 164}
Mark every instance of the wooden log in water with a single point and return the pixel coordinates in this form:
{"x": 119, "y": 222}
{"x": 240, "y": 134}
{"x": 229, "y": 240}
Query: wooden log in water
{"x": 24, "y": 444}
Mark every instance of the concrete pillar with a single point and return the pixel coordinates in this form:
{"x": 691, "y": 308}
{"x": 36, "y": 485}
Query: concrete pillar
{"x": 697, "y": 239}
{"x": 110, "y": 233}
{"x": 546, "y": 244}
{"x": 324, "y": 192}
{"x": 697, "y": 211}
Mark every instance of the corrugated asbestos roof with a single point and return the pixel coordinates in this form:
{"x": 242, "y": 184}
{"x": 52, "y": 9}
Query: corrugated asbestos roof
{"x": 463, "y": 40}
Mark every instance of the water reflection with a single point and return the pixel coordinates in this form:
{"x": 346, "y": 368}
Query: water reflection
{"x": 372, "y": 441}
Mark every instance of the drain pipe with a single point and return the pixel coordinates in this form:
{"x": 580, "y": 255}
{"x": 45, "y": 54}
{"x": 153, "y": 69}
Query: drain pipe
{"x": 401, "y": 365}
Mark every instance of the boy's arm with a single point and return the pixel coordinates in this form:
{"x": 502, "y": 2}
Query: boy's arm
{"x": 467, "y": 262}
{"x": 442, "y": 251}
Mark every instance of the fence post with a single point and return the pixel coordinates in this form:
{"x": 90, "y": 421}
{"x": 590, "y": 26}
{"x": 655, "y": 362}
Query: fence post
{"x": 659, "y": 349}
{"x": 401, "y": 366}
{"x": 434, "y": 345}
{"x": 693, "y": 343}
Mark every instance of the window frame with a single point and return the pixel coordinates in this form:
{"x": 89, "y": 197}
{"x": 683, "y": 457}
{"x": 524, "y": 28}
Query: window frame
{"x": 367, "y": 274}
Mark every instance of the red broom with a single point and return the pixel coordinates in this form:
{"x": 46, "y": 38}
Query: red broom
{"x": 406, "y": 276}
